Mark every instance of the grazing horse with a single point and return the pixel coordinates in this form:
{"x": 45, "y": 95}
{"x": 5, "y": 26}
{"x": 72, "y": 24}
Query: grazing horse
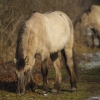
{"x": 44, "y": 34}
{"x": 90, "y": 19}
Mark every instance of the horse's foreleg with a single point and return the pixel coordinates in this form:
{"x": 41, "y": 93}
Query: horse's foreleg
{"x": 57, "y": 84}
{"x": 71, "y": 68}
{"x": 32, "y": 84}
{"x": 44, "y": 71}
{"x": 57, "y": 66}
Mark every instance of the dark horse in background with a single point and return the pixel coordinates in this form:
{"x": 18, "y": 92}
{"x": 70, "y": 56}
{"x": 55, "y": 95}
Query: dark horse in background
{"x": 44, "y": 34}
{"x": 90, "y": 20}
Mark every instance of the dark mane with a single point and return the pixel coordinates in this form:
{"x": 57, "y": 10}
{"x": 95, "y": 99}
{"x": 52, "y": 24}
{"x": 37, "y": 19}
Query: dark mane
{"x": 19, "y": 49}
{"x": 87, "y": 11}
{"x": 29, "y": 15}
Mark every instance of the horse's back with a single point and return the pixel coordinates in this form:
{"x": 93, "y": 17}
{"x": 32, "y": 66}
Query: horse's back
{"x": 60, "y": 28}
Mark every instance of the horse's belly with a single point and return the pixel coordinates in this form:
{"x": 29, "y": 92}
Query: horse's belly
{"x": 59, "y": 43}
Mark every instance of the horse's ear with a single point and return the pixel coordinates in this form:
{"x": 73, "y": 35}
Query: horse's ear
{"x": 26, "y": 60}
{"x": 15, "y": 60}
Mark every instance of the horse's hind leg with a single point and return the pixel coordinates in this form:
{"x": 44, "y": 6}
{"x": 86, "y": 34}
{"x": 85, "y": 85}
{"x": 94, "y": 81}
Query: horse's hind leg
{"x": 71, "y": 67}
{"x": 57, "y": 66}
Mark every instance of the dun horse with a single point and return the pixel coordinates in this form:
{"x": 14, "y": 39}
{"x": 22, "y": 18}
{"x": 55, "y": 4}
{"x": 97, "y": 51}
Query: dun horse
{"x": 44, "y": 34}
{"x": 90, "y": 19}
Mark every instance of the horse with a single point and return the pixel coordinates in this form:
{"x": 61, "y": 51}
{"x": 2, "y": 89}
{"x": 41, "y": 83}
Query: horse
{"x": 89, "y": 19}
{"x": 45, "y": 34}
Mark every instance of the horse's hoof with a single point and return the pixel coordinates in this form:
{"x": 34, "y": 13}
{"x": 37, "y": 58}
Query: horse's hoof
{"x": 18, "y": 92}
{"x": 44, "y": 93}
{"x": 73, "y": 89}
{"x": 22, "y": 93}
{"x": 54, "y": 91}
{"x": 34, "y": 89}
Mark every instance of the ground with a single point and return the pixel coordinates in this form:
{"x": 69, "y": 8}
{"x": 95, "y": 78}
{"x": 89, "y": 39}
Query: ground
{"x": 87, "y": 87}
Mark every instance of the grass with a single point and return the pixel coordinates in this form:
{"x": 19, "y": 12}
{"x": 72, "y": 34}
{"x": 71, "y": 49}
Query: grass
{"x": 88, "y": 85}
